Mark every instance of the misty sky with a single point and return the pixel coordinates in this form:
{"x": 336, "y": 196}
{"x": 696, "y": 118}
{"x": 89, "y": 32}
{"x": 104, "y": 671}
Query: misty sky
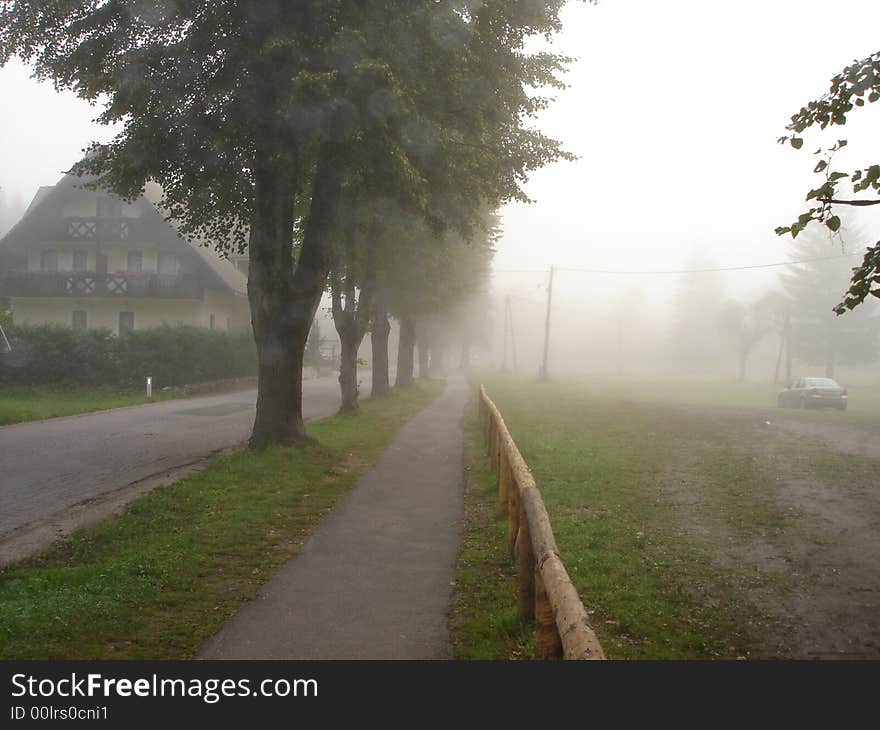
{"x": 673, "y": 108}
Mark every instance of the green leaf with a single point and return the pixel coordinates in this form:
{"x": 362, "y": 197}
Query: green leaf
{"x": 796, "y": 142}
{"x": 821, "y": 165}
{"x": 833, "y": 223}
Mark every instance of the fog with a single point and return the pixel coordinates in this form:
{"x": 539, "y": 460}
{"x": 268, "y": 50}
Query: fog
{"x": 673, "y": 110}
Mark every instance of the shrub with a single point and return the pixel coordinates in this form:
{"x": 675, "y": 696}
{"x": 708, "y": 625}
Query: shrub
{"x": 57, "y": 355}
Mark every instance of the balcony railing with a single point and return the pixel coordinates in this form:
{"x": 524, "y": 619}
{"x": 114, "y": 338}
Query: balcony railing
{"x": 89, "y": 284}
{"x": 90, "y": 229}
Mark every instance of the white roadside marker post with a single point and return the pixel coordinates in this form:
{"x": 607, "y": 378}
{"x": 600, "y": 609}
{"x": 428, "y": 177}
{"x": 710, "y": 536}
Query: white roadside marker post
{"x": 149, "y": 387}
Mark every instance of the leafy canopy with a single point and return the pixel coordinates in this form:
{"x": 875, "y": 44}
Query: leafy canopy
{"x": 854, "y": 87}
{"x": 429, "y": 100}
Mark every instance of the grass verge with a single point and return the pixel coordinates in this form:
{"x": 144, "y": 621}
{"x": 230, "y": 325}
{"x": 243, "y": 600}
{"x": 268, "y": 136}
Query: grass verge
{"x": 485, "y": 624}
{"x": 156, "y": 581}
{"x": 622, "y": 506}
{"x": 34, "y": 404}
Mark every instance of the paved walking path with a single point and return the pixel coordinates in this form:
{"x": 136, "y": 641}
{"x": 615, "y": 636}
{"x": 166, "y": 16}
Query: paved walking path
{"x": 375, "y": 579}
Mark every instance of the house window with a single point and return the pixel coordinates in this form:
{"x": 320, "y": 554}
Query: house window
{"x": 168, "y": 264}
{"x": 126, "y": 322}
{"x": 211, "y": 321}
{"x": 80, "y": 261}
{"x": 49, "y": 261}
{"x": 135, "y": 262}
{"x": 79, "y": 319}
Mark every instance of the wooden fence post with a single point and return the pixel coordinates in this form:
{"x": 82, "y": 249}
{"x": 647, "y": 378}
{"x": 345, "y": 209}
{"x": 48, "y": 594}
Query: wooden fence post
{"x": 548, "y": 644}
{"x": 516, "y": 491}
{"x": 512, "y": 518}
{"x": 493, "y": 428}
{"x": 504, "y": 475}
{"x": 525, "y": 568}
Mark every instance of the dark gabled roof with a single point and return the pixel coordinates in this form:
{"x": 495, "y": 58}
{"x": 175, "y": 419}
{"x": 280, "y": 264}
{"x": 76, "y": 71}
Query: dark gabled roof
{"x": 47, "y": 204}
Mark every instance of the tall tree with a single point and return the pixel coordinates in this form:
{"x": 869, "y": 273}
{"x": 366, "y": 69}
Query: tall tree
{"x": 352, "y": 290}
{"x": 694, "y": 329}
{"x": 253, "y": 114}
{"x": 435, "y": 286}
{"x": 818, "y": 335}
{"x": 746, "y": 325}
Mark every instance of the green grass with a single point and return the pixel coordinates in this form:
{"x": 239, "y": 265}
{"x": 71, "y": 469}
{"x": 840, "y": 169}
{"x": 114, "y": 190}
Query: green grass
{"x": 864, "y": 394}
{"x": 606, "y": 468}
{"x": 486, "y": 623}
{"x": 18, "y": 404}
{"x": 156, "y": 581}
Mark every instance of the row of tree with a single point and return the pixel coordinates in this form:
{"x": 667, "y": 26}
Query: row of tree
{"x": 352, "y": 136}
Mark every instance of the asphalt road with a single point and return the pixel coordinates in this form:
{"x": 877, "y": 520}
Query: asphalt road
{"x": 48, "y": 466}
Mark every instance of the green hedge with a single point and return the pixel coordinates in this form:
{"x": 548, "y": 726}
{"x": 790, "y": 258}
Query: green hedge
{"x": 57, "y": 355}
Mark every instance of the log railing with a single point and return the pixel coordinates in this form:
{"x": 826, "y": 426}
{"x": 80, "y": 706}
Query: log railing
{"x": 545, "y": 592}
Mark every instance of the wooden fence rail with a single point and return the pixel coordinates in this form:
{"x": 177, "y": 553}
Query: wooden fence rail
{"x": 545, "y": 592}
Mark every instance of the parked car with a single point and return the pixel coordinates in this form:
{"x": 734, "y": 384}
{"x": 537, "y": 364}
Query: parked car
{"x": 813, "y": 393}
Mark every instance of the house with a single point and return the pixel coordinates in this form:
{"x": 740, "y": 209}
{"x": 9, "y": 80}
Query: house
{"x": 89, "y": 260}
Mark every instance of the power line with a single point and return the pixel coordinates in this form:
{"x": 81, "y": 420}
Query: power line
{"x": 678, "y": 271}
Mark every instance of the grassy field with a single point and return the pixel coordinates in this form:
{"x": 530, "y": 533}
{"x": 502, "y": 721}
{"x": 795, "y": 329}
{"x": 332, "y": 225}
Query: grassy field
{"x": 686, "y": 530}
{"x": 159, "y": 579}
{"x": 864, "y": 394}
{"x": 33, "y": 404}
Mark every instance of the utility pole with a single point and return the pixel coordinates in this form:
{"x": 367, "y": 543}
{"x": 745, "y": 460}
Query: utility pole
{"x": 788, "y": 348}
{"x": 508, "y": 331}
{"x": 512, "y": 338}
{"x": 506, "y": 317}
{"x": 545, "y": 374}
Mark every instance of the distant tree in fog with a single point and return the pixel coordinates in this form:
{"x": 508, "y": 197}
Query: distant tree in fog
{"x": 11, "y": 211}
{"x": 745, "y": 325}
{"x": 819, "y": 336}
{"x": 694, "y": 332}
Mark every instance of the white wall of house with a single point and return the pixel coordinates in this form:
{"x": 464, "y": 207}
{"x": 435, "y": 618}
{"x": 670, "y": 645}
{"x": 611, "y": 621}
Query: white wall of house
{"x": 230, "y": 312}
{"x": 104, "y": 313}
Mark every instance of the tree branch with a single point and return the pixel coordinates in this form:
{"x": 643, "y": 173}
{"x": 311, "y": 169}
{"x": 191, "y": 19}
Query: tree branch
{"x": 850, "y": 202}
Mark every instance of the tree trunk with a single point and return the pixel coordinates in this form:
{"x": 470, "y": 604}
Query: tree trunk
{"x": 348, "y": 384}
{"x": 787, "y": 335}
{"x": 270, "y": 278}
{"x": 405, "y": 348}
{"x": 424, "y": 355}
{"x": 352, "y": 318}
{"x": 283, "y": 302}
{"x": 379, "y": 341}
{"x": 779, "y": 358}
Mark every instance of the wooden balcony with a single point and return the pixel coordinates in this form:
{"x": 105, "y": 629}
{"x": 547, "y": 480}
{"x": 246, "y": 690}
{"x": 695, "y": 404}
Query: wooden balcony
{"x": 89, "y": 285}
{"x": 100, "y": 230}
